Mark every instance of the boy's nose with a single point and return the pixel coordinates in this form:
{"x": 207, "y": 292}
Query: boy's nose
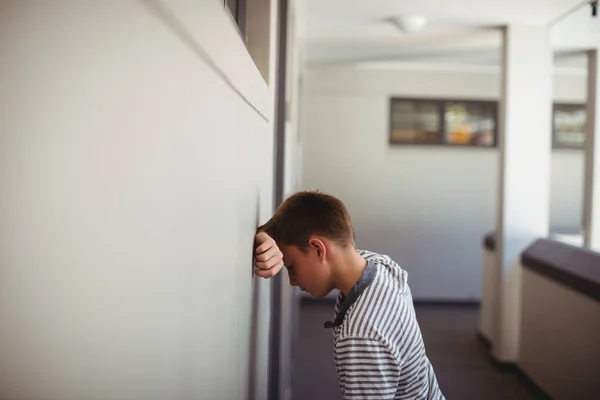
{"x": 293, "y": 282}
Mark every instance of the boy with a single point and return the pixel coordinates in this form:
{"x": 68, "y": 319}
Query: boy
{"x": 378, "y": 348}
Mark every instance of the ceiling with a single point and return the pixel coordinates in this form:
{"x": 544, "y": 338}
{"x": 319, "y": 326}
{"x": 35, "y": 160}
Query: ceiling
{"x": 457, "y": 31}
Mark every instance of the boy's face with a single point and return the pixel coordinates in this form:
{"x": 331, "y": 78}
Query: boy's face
{"x": 307, "y": 270}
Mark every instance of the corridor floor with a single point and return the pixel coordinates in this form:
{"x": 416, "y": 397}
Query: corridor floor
{"x": 461, "y": 362}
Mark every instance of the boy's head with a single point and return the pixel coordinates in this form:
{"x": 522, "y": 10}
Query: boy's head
{"x": 310, "y": 228}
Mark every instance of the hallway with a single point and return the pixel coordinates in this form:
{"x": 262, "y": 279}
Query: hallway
{"x": 144, "y": 143}
{"x": 461, "y": 362}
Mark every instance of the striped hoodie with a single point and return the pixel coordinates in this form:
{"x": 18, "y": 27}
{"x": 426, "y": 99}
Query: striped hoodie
{"x": 378, "y": 347}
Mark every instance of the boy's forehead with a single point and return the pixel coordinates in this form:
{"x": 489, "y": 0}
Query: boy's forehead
{"x": 288, "y": 252}
{"x": 285, "y": 250}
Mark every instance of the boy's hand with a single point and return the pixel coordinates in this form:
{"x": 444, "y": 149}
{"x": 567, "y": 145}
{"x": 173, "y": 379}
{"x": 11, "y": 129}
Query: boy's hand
{"x": 269, "y": 259}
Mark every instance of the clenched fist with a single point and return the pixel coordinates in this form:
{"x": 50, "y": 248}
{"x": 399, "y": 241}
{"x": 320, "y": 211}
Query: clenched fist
{"x": 269, "y": 259}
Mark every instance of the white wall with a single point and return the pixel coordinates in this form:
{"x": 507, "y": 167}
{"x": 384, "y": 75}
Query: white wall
{"x": 426, "y": 207}
{"x": 576, "y": 31}
{"x": 136, "y": 160}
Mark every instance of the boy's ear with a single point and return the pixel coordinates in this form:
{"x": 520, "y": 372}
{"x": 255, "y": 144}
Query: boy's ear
{"x": 319, "y": 247}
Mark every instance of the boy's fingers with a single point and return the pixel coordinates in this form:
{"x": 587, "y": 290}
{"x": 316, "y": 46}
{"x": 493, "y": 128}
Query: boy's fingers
{"x": 270, "y": 263}
{"x": 267, "y": 255}
{"x": 265, "y": 245}
{"x": 261, "y": 237}
{"x": 269, "y": 273}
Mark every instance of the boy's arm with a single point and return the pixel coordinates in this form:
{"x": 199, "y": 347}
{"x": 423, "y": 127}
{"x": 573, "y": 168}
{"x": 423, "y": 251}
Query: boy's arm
{"x": 366, "y": 369}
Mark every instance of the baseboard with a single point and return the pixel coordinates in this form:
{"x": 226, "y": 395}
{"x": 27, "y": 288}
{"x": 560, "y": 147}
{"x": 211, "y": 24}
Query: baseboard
{"x": 503, "y": 366}
{"x": 484, "y": 340}
{"x": 472, "y": 304}
{"x": 513, "y": 368}
{"x": 447, "y": 303}
{"x": 304, "y": 297}
{"x": 527, "y": 381}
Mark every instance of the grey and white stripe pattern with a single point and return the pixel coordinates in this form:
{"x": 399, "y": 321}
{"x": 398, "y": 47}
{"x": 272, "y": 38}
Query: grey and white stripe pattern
{"x": 378, "y": 347}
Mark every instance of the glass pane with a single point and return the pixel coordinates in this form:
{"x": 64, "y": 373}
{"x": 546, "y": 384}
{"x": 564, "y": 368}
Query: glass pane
{"x": 569, "y": 126}
{"x": 415, "y": 121}
{"x": 470, "y": 123}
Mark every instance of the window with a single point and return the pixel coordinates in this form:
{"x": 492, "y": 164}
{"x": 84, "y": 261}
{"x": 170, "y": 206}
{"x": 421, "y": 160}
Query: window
{"x": 415, "y": 122}
{"x": 568, "y": 122}
{"x": 232, "y": 5}
{"x": 443, "y": 122}
{"x": 237, "y": 8}
{"x": 470, "y": 123}
{"x": 252, "y": 18}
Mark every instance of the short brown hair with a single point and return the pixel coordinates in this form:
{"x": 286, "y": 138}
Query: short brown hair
{"x": 309, "y": 213}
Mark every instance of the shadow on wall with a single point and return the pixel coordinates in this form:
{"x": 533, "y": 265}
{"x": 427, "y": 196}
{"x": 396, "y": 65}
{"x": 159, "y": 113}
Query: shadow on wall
{"x": 254, "y": 339}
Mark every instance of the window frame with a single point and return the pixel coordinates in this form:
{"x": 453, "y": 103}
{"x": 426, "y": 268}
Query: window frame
{"x": 441, "y": 105}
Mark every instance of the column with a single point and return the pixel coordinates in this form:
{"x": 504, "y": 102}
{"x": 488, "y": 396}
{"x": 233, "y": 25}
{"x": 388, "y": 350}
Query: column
{"x": 525, "y": 148}
{"x": 591, "y": 199}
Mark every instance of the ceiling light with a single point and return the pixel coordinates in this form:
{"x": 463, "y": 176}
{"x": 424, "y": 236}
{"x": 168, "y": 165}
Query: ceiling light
{"x": 410, "y": 24}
